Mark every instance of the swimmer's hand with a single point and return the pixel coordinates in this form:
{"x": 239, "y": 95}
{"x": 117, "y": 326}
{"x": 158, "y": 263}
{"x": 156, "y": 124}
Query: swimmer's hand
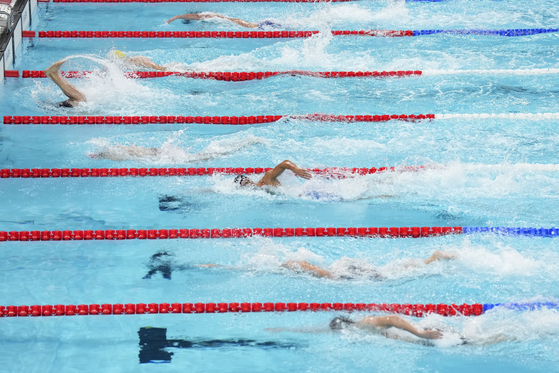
{"x": 172, "y": 19}
{"x": 430, "y": 334}
{"x": 303, "y": 173}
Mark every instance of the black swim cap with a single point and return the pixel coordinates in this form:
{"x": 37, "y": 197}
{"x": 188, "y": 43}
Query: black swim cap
{"x": 239, "y": 179}
{"x": 341, "y": 322}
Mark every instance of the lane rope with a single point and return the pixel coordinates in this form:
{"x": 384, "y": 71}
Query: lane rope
{"x": 152, "y": 234}
{"x": 258, "y": 75}
{"x": 257, "y": 119}
{"x": 415, "y": 310}
{"x": 234, "y": 120}
{"x": 226, "y": 76}
{"x": 280, "y": 34}
{"x": 332, "y": 172}
{"x": 214, "y": 1}
{"x": 329, "y": 172}
{"x": 372, "y": 232}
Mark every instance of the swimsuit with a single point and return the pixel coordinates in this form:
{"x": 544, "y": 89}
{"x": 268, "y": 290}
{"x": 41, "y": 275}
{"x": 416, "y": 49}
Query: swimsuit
{"x": 266, "y": 24}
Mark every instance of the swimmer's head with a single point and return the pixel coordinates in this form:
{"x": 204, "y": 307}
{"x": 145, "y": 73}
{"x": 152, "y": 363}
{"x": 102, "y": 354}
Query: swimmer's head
{"x": 341, "y": 322}
{"x": 117, "y": 55}
{"x": 243, "y": 180}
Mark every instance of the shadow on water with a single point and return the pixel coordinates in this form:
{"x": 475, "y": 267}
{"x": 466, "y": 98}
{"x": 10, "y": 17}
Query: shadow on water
{"x": 154, "y": 345}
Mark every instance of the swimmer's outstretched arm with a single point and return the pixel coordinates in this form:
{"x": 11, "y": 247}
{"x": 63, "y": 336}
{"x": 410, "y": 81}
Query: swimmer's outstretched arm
{"x": 439, "y": 255}
{"x": 199, "y": 17}
{"x": 74, "y": 96}
{"x": 299, "y": 266}
{"x": 142, "y": 61}
{"x": 400, "y": 323}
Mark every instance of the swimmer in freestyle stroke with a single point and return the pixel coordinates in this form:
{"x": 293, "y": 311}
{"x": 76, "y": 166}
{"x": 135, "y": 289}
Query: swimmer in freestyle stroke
{"x": 351, "y": 272}
{"x": 203, "y": 16}
{"x": 74, "y": 95}
{"x": 271, "y": 177}
{"x": 398, "y": 328}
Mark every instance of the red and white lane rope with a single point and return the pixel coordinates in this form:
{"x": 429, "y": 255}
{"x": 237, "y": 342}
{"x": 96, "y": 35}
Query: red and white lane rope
{"x": 163, "y": 234}
{"x": 212, "y": 34}
{"x": 193, "y": 1}
{"x": 227, "y": 76}
{"x": 417, "y": 310}
{"x": 234, "y": 120}
{"x": 257, "y": 119}
{"x": 331, "y": 172}
{"x": 258, "y": 75}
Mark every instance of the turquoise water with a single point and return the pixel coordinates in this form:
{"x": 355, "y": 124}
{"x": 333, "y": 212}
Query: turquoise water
{"x": 484, "y": 173}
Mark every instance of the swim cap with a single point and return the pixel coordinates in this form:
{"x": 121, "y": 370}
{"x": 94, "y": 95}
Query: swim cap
{"x": 119, "y": 54}
{"x": 340, "y": 322}
{"x": 242, "y": 180}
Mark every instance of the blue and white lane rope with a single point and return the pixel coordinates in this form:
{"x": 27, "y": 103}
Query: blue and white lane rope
{"x": 507, "y": 32}
{"x": 509, "y": 231}
{"x": 529, "y": 306}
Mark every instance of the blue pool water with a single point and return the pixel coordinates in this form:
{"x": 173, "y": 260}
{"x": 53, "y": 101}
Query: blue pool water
{"x": 484, "y": 173}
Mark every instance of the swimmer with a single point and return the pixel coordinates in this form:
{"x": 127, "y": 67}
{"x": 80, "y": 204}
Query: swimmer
{"x": 352, "y": 271}
{"x": 271, "y": 177}
{"x": 314, "y": 270}
{"x": 200, "y": 17}
{"x": 396, "y": 327}
{"x": 139, "y": 61}
{"x": 73, "y": 94}
{"x": 126, "y": 152}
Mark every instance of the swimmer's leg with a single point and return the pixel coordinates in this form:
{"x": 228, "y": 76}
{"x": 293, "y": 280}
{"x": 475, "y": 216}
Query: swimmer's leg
{"x": 439, "y": 255}
{"x": 75, "y": 96}
{"x": 189, "y": 17}
{"x": 149, "y": 274}
{"x": 297, "y": 266}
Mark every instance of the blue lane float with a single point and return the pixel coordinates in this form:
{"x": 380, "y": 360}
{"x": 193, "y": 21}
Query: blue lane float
{"x": 531, "y": 306}
{"x": 508, "y": 32}
{"x": 507, "y": 231}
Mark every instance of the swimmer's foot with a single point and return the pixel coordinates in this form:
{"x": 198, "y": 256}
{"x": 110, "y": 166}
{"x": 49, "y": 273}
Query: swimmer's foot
{"x": 206, "y": 265}
{"x": 53, "y": 69}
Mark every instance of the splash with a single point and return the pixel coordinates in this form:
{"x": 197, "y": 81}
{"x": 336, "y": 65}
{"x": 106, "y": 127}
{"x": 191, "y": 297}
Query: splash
{"x": 172, "y": 151}
{"x": 107, "y": 89}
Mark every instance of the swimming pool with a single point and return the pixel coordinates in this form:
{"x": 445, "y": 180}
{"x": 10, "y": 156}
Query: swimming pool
{"x": 480, "y": 172}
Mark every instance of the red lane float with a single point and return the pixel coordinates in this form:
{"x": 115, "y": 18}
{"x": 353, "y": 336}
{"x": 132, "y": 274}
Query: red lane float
{"x": 332, "y": 172}
{"x": 416, "y": 310}
{"x": 234, "y": 76}
{"x": 234, "y": 120}
{"x": 194, "y": 1}
{"x": 217, "y": 34}
{"x": 163, "y": 234}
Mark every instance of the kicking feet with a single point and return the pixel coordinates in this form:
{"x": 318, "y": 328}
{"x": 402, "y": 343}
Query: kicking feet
{"x": 52, "y": 71}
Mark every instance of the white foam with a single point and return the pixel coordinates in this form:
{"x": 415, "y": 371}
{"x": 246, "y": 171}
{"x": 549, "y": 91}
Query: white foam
{"x": 174, "y": 150}
{"x": 107, "y": 90}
